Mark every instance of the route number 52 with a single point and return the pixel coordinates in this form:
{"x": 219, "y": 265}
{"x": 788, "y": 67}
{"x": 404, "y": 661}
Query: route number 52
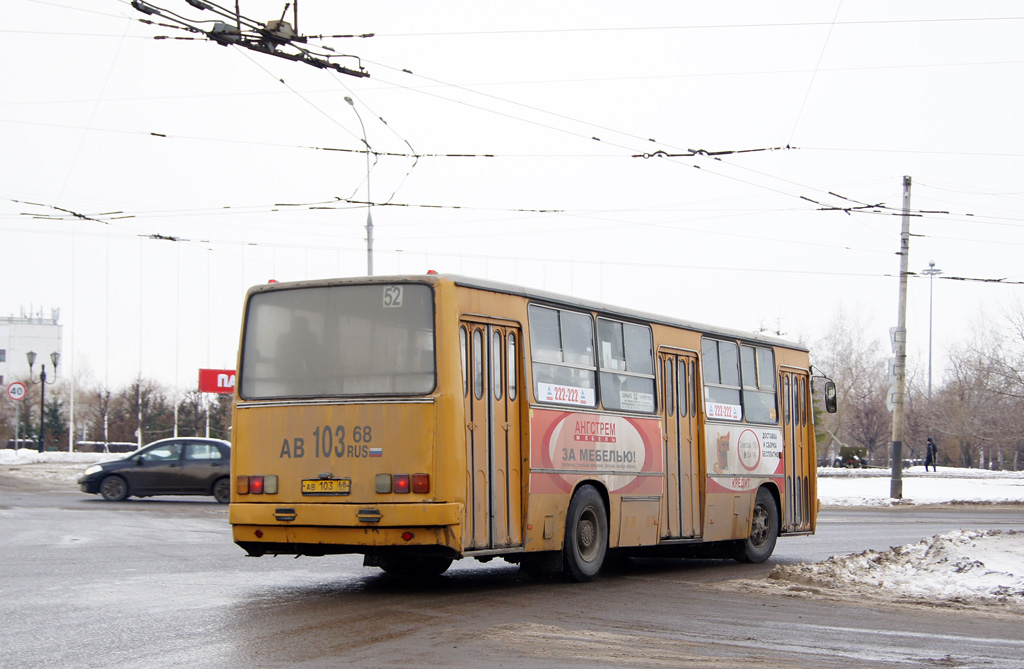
{"x": 392, "y": 296}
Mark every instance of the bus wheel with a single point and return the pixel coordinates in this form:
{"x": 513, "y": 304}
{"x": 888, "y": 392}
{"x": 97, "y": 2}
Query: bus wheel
{"x": 764, "y": 529}
{"x": 415, "y": 566}
{"x": 114, "y": 488}
{"x": 586, "y": 535}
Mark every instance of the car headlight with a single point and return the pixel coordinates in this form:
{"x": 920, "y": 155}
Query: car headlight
{"x": 95, "y": 469}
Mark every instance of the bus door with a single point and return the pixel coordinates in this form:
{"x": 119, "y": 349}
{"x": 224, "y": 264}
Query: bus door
{"x": 795, "y": 384}
{"x": 681, "y": 508}
{"x": 493, "y": 453}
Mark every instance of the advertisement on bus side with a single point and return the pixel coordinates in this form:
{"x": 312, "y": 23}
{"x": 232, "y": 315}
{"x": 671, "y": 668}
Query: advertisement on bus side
{"x": 623, "y": 452}
{"x": 738, "y": 454}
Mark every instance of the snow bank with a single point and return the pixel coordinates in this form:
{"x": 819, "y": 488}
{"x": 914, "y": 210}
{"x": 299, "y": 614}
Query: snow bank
{"x": 965, "y": 567}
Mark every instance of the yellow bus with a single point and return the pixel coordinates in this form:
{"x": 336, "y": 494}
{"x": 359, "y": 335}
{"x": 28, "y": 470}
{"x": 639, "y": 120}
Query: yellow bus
{"x": 422, "y": 419}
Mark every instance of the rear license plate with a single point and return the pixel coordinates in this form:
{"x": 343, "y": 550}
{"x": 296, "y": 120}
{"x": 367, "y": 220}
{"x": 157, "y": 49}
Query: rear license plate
{"x": 326, "y": 486}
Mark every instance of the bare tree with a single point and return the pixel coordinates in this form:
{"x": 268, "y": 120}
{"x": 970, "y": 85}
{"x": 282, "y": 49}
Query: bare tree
{"x": 857, "y": 365}
{"x": 970, "y": 405}
{"x": 192, "y": 412}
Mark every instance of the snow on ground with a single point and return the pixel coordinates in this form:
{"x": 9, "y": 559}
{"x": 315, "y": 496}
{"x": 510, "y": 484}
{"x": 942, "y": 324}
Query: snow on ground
{"x": 870, "y": 487}
{"x": 52, "y": 465}
{"x": 965, "y": 568}
{"x": 977, "y": 569}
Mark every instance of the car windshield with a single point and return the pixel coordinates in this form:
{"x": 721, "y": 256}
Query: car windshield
{"x": 339, "y": 341}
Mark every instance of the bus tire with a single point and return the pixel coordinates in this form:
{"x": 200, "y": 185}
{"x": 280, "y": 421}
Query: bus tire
{"x": 764, "y": 529}
{"x": 413, "y": 567}
{"x": 114, "y": 489}
{"x": 586, "y": 535}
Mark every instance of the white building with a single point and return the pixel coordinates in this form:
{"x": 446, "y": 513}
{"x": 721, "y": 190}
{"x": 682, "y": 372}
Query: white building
{"x": 28, "y": 332}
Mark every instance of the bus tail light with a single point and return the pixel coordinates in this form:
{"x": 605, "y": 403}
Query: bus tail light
{"x": 401, "y": 483}
{"x": 256, "y": 485}
{"x": 421, "y": 483}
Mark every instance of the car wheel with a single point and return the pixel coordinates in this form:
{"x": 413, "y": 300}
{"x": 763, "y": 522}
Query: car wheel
{"x": 222, "y": 490}
{"x": 114, "y": 488}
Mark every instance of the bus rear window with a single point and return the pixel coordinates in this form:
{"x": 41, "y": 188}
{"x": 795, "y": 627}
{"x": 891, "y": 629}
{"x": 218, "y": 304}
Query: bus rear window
{"x": 339, "y": 341}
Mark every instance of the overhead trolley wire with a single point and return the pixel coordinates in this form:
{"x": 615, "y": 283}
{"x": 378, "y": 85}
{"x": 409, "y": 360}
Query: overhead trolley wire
{"x": 268, "y": 41}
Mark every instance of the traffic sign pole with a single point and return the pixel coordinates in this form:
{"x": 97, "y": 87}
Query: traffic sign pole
{"x": 17, "y": 392}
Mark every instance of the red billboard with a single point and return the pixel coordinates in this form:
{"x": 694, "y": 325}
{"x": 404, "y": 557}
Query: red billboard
{"x": 217, "y": 381}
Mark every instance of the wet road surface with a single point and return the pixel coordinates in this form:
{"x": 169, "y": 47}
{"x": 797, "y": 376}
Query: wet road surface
{"x": 158, "y": 583}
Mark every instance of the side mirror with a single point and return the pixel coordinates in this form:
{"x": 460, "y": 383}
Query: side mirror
{"x": 831, "y": 402}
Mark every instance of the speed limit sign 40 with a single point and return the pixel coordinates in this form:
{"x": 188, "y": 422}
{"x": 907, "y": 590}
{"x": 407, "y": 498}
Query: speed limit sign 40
{"x": 16, "y": 391}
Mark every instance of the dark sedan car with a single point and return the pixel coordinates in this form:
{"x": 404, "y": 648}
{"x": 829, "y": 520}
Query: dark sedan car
{"x": 178, "y": 466}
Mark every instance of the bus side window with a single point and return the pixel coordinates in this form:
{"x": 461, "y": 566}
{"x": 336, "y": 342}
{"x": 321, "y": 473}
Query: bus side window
{"x": 463, "y": 337}
{"x": 803, "y": 402}
{"x": 721, "y": 372}
{"x": 683, "y": 386}
{"x": 478, "y": 364}
{"x": 692, "y": 371}
{"x": 669, "y": 395}
{"x": 496, "y": 359}
{"x": 758, "y": 367}
{"x": 787, "y": 402}
{"x": 562, "y": 356}
{"x": 627, "y": 366}
{"x": 512, "y": 380}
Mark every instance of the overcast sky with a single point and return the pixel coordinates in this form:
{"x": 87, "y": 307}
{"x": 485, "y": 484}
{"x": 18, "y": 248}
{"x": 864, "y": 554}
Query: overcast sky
{"x": 548, "y": 106}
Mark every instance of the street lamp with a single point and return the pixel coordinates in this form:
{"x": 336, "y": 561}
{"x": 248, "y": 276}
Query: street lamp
{"x": 55, "y": 358}
{"x": 369, "y": 218}
{"x": 930, "y": 273}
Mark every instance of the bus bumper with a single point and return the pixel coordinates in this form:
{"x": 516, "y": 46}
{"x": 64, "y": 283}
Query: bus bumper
{"x": 326, "y": 529}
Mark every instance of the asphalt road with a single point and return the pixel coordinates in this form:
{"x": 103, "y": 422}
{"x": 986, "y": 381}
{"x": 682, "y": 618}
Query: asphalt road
{"x": 158, "y": 583}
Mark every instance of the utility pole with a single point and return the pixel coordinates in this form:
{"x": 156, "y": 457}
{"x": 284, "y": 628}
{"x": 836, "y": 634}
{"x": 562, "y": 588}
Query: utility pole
{"x": 900, "y": 349}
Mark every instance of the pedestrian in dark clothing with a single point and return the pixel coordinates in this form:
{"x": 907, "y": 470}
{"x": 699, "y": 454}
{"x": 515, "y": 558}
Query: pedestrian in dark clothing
{"x": 931, "y": 455}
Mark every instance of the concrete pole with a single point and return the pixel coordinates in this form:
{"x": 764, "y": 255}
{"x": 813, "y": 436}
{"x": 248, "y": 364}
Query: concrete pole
{"x": 931, "y": 272}
{"x": 369, "y": 200}
{"x": 899, "y": 397}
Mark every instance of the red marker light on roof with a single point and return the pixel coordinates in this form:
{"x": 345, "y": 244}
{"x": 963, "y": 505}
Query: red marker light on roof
{"x": 430, "y": 271}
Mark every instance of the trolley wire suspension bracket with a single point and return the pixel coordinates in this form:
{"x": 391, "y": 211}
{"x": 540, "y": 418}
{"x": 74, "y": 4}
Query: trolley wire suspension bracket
{"x": 692, "y": 153}
{"x": 274, "y": 38}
